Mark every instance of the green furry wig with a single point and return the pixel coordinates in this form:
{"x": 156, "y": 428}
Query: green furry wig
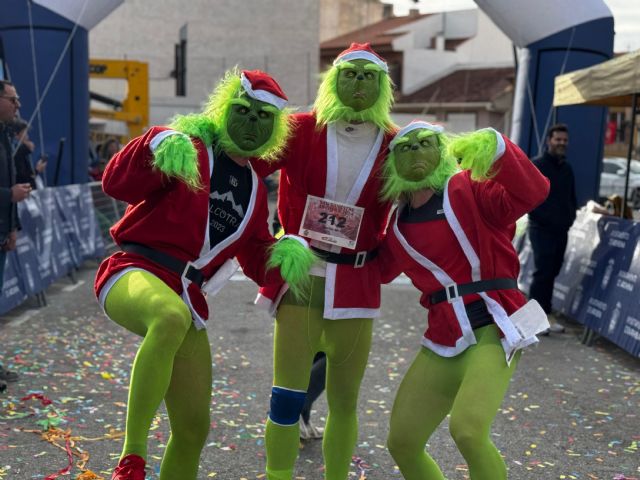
{"x": 329, "y": 108}
{"x": 396, "y": 187}
{"x": 177, "y": 157}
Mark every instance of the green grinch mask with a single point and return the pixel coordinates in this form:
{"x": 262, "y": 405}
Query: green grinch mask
{"x": 355, "y": 91}
{"x": 250, "y": 123}
{"x": 418, "y": 161}
{"x": 417, "y": 155}
{"x": 358, "y": 84}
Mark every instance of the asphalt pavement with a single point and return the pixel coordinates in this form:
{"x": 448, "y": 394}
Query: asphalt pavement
{"x": 572, "y": 411}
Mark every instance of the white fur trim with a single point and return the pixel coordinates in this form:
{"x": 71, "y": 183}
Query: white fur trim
{"x": 458, "y": 231}
{"x": 263, "y": 302}
{"x": 501, "y": 146}
{"x": 157, "y": 139}
{"x": 206, "y": 244}
{"x": 104, "y": 291}
{"x": 221, "y": 277}
{"x": 295, "y": 237}
{"x": 414, "y": 126}
{"x": 511, "y": 335}
{"x": 442, "y": 277}
{"x": 262, "y": 95}
{"x": 332, "y": 313}
{"x": 362, "y": 55}
{"x": 198, "y": 321}
{"x": 331, "y": 181}
{"x": 365, "y": 171}
{"x": 204, "y": 260}
{"x": 444, "y": 351}
{"x": 347, "y": 313}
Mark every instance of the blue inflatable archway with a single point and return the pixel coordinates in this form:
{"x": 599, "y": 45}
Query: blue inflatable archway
{"x": 554, "y": 38}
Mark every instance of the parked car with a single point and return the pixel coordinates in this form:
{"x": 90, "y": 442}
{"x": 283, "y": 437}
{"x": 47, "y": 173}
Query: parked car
{"x": 613, "y": 177}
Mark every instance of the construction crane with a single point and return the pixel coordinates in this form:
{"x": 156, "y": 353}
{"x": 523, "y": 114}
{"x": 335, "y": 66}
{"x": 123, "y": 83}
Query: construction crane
{"x": 134, "y": 109}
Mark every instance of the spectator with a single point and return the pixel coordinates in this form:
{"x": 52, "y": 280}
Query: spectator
{"x": 23, "y": 148}
{"x": 109, "y": 149}
{"x": 10, "y": 192}
{"x": 549, "y": 223}
{"x": 105, "y": 152}
{"x": 317, "y": 382}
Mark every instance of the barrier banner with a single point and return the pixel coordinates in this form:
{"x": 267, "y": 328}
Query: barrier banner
{"x": 609, "y": 303}
{"x": 599, "y": 284}
{"x": 67, "y": 202}
{"x": 13, "y": 293}
{"x": 59, "y": 231}
{"x": 27, "y": 260}
{"x": 578, "y": 267}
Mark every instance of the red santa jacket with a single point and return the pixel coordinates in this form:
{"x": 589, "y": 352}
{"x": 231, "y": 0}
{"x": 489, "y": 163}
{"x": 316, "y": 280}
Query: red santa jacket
{"x": 482, "y": 218}
{"x": 309, "y": 167}
{"x": 166, "y": 215}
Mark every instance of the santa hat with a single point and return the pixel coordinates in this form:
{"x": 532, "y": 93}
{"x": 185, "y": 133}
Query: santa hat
{"x": 415, "y": 125}
{"x": 263, "y": 87}
{"x": 361, "y": 51}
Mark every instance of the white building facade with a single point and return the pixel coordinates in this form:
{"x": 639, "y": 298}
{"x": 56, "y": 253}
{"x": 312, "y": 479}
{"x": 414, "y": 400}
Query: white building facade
{"x": 278, "y": 36}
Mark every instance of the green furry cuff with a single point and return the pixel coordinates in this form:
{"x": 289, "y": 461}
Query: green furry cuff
{"x": 476, "y": 152}
{"x": 177, "y": 157}
{"x": 294, "y": 261}
{"x": 195, "y": 125}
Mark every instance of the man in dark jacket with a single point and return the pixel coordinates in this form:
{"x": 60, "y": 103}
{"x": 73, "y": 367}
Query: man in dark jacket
{"x": 549, "y": 223}
{"x": 10, "y": 192}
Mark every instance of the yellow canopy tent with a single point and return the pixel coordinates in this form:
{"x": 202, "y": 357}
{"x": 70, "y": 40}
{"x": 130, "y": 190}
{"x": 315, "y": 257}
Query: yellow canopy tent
{"x": 613, "y": 83}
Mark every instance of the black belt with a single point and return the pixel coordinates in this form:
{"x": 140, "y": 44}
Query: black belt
{"x": 182, "y": 268}
{"x": 478, "y": 314}
{"x": 454, "y": 290}
{"x": 355, "y": 259}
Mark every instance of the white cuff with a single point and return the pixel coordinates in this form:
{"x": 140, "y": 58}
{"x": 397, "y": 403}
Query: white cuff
{"x": 158, "y": 139}
{"x": 295, "y": 237}
{"x": 500, "y": 146}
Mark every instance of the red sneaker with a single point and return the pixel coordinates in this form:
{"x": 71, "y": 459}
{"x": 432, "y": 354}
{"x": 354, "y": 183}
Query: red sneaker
{"x": 130, "y": 467}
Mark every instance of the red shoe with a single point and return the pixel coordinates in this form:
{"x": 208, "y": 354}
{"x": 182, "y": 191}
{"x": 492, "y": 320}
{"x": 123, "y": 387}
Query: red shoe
{"x": 130, "y": 467}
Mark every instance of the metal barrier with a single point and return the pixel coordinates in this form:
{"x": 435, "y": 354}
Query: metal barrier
{"x": 108, "y": 211}
{"x": 600, "y": 278}
{"x": 60, "y": 230}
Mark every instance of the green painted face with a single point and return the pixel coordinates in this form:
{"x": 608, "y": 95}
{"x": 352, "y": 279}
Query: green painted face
{"x": 417, "y": 155}
{"x": 250, "y": 123}
{"x": 358, "y": 84}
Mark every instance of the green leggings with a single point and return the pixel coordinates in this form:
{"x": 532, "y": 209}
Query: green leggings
{"x": 300, "y": 332}
{"x": 173, "y": 364}
{"x": 471, "y": 387}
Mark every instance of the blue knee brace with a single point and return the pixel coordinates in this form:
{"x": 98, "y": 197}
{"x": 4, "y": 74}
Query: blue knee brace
{"x": 286, "y": 405}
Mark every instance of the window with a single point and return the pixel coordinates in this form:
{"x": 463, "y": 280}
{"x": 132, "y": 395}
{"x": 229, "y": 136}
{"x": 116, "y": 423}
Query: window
{"x": 180, "y": 63}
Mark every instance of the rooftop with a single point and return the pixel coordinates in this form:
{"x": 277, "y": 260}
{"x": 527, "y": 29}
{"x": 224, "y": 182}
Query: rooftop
{"x": 465, "y": 85}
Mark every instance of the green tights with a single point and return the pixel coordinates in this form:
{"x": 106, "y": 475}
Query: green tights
{"x": 173, "y": 364}
{"x": 471, "y": 387}
{"x": 300, "y": 332}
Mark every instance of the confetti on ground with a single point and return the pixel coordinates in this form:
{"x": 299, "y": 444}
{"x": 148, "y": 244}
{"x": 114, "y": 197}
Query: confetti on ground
{"x": 571, "y": 411}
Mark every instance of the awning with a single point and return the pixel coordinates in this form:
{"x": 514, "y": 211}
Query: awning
{"x": 611, "y": 83}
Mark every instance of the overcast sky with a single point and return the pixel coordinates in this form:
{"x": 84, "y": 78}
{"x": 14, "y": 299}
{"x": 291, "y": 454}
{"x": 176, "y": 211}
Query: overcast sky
{"x": 626, "y": 14}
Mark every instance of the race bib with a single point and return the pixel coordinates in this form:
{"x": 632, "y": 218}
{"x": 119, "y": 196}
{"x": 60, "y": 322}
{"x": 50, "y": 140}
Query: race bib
{"x": 331, "y": 222}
